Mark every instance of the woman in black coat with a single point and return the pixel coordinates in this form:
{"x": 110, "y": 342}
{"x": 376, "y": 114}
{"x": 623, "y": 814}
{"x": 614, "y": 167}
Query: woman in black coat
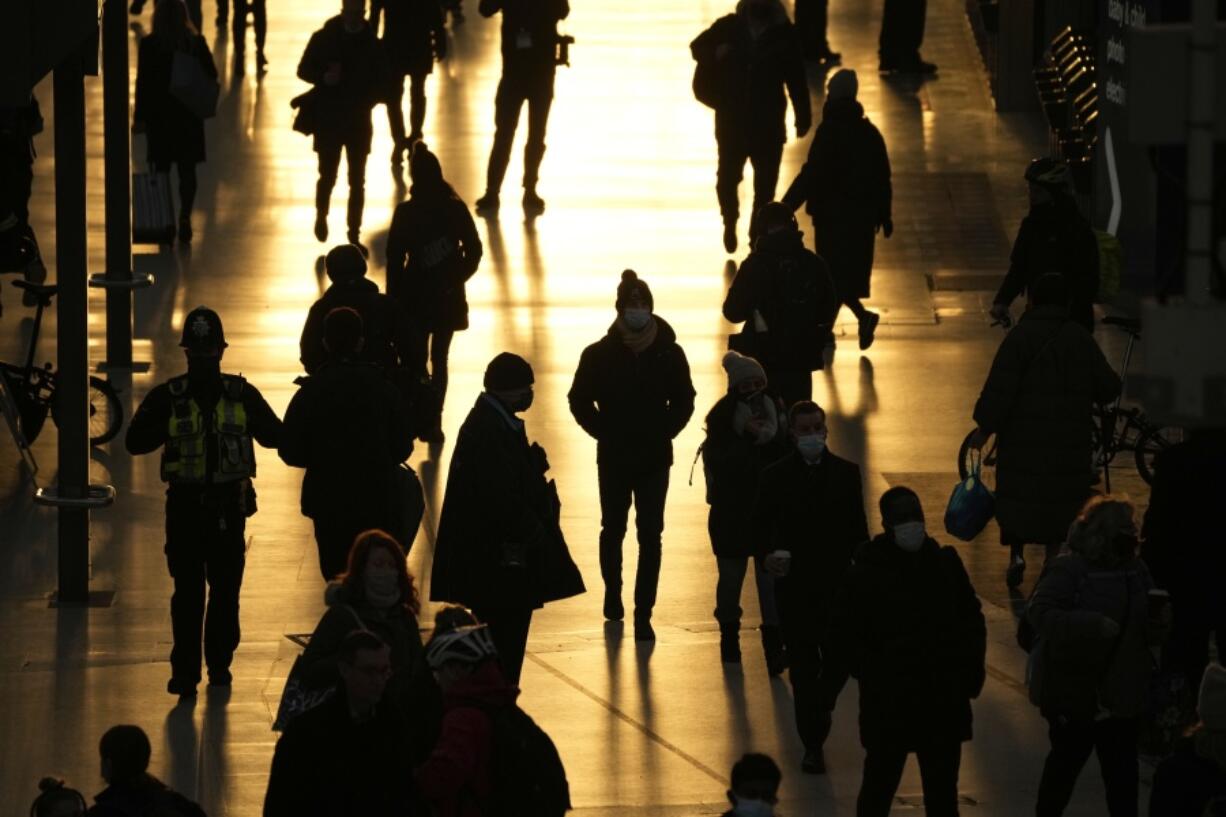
{"x": 432, "y": 250}
{"x": 746, "y": 431}
{"x": 413, "y": 35}
{"x": 174, "y": 134}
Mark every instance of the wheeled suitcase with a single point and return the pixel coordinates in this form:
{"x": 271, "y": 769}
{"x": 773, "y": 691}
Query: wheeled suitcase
{"x": 153, "y": 209}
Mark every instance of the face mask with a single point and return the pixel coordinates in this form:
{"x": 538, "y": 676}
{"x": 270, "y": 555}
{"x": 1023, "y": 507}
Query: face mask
{"x": 521, "y": 402}
{"x": 910, "y": 536}
{"x": 811, "y": 446}
{"x": 636, "y": 319}
{"x": 382, "y": 585}
{"x": 745, "y": 807}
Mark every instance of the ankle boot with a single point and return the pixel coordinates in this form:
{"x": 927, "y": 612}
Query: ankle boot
{"x": 772, "y": 645}
{"x": 730, "y": 642}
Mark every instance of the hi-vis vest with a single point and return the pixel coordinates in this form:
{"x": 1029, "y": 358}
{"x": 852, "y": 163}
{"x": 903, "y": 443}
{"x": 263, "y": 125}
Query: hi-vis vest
{"x": 185, "y": 455}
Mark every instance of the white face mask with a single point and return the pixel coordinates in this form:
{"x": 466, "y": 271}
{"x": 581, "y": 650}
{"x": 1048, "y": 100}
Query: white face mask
{"x": 910, "y": 536}
{"x": 745, "y": 807}
{"x": 636, "y": 319}
{"x": 382, "y": 586}
{"x": 811, "y": 446}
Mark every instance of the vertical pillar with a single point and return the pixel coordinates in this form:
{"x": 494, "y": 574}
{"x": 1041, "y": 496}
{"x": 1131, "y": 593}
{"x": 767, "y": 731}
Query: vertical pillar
{"x": 1201, "y": 79}
{"x": 72, "y": 393}
{"x": 117, "y": 147}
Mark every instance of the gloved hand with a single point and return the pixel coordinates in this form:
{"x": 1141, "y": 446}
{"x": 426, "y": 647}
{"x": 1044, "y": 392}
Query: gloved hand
{"x": 887, "y": 227}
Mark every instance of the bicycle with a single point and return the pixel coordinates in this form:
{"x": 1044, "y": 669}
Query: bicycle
{"x": 32, "y": 388}
{"x": 1130, "y": 429}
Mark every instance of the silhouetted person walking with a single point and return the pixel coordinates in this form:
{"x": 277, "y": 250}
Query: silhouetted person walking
{"x": 204, "y": 422}
{"x": 131, "y": 791}
{"x": 632, "y": 392}
{"x": 529, "y": 62}
{"x": 432, "y": 250}
{"x": 845, "y": 187}
{"x": 258, "y": 11}
{"x": 811, "y": 25}
{"x": 346, "y": 63}
{"x": 784, "y": 295}
{"x": 755, "y": 54}
{"x": 175, "y": 135}
{"x": 902, "y": 33}
{"x": 413, "y": 36}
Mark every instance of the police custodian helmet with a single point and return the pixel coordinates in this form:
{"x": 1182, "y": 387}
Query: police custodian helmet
{"x": 202, "y": 330}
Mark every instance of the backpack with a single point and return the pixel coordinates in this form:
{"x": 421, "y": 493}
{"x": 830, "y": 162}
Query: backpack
{"x": 706, "y": 83}
{"x": 528, "y": 777}
{"x": 1110, "y": 265}
{"x": 794, "y": 337}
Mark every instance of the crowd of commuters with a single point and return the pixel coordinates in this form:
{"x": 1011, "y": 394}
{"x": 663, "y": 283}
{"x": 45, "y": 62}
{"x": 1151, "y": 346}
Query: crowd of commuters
{"x": 376, "y": 722}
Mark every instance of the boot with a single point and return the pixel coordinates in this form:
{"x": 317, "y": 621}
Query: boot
{"x": 772, "y": 645}
{"x": 730, "y": 642}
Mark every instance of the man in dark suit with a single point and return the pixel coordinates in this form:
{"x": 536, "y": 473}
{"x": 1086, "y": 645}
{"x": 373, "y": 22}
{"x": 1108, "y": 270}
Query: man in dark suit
{"x": 809, "y": 518}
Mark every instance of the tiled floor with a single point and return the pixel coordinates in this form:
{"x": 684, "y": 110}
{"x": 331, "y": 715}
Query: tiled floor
{"x": 628, "y": 177}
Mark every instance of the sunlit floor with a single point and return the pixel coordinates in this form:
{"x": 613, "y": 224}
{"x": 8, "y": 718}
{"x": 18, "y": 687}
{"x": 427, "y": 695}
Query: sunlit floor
{"x": 629, "y": 178}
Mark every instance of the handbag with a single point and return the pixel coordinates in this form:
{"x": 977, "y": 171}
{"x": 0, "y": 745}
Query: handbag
{"x": 298, "y": 697}
{"x": 153, "y": 209}
{"x": 192, "y": 87}
{"x": 971, "y": 505}
{"x": 306, "y": 121}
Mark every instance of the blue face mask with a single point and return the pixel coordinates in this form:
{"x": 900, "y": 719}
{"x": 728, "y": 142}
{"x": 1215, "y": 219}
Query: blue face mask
{"x": 636, "y": 319}
{"x": 910, "y": 536}
{"x": 811, "y": 446}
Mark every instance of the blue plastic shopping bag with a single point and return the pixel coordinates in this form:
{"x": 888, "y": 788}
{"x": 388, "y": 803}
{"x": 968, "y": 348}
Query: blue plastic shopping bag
{"x": 971, "y": 506}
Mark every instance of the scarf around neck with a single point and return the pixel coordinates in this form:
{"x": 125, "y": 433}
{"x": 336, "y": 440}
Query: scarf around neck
{"x": 638, "y": 342}
{"x": 763, "y": 409}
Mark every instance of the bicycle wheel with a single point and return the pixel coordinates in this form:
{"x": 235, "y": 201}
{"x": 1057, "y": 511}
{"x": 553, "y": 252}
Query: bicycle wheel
{"x": 105, "y": 412}
{"x": 1153, "y": 442}
{"x": 987, "y": 464}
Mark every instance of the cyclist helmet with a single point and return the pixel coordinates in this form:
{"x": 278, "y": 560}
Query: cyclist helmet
{"x": 1050, "y": 173}
{"x": 470, "y": 644}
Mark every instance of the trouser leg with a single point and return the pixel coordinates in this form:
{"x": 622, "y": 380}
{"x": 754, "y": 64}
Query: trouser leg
{"x": 334, "y": 535}
{"x": 728, "y": 175}
{"x": 766, "y": 594}
{"x": 418, "y": 349}
{"x": 187, "y": 188}
{"x": 833, "y": 678}
{"x": 417, "y": 104}
{"x": 615, "y": 498}
{"x": 1071, "y": 744}
{"x": 260, "y": 15}
{"x": 507, "y": 104}
{"x": 731, "y": 572}
{"x": 224, "y": 572}
{"x": 939, "y": 764}
{"x": 329, "y": 163}
{"x": 540, "y": 99}
{"x": 804, "y": 674}
{"x": 765, "y": 159}
{"x": 1115, "y": 740}
{"x": 856, "y": 307}
{"x": 185, "y": 558}
{"x": 440, "y": 350}
{"x": 238, "y": 26}
{"x": 509, "y": 628}
{"x": 356, "y": 151}
{"x": 395, "y": 113}
{"x": 650, "y": 494}
{"x": 882, "y": 773}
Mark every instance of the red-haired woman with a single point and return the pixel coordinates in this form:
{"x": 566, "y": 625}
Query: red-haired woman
{"x": 378, "y": 590}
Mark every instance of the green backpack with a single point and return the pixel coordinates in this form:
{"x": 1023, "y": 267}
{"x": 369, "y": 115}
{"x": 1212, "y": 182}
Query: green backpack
{"x": 1110, "y": 265}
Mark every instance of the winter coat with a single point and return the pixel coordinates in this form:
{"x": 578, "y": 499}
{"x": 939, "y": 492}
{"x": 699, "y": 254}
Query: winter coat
{"x": 342, "y": 111}
{"x": 1055, "y": 237}
{"x": 411, "y": 686}
{"x": 1182, "y": 541}
{"x": 141, "y": 797}
{"x": 385, "y": 326}
{"x": 1078, "y": 670}
{"x": 845, "y": 187}
{"x": 432, "y": 250}
{"x": 499, "y": 542}
{"x": 633, "y": 405}
{"x": 458, "y": 775}
{"x": 413, "y": 34}
{"x": 348, "y": 427}
{"x": 1186, "y": 782}
{"x": 1047, "y": 375}
{"x": 529, "y": 34}
{"x": 753, "y": 75}
{"x": 815, "y": 512}
{"x": 328, "y": 765}
{"x": 733, "y": 465}
{"x": 791, "y": 289}
{"x": 172, "y": 132}
{"x": 911, "y": 631}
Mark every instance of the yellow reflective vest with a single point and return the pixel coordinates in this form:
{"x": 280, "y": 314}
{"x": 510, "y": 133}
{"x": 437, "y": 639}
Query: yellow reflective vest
{"x": 185, "y": 457}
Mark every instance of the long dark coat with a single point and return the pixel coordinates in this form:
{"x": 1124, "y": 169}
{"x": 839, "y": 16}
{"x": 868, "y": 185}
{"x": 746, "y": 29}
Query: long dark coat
{"x": 497, "y": 495}
{"x": 845, "y": 187}
{"x": 633, "y": 405}
{"x": 433, "y": 249}
{"x": 385, "y": 326}
{"x": 413, "y": 34}
{"x": 733, "y": 465}
{"x": 173, "y": 133}
{"x": 1047, "y": 375}
{"x": 911, "y": 631}
{"x": 343, "y": 110}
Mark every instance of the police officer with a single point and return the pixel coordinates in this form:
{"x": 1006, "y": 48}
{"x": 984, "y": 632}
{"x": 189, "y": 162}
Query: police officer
{"x": 529, "y": 62}
{"x": 204, "y": 421}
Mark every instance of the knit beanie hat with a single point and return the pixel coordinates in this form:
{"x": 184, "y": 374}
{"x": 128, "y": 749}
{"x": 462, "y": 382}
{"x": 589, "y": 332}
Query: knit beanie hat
{"x": 1212, "y": 701}
{"x": 508, "y": 372}
{"x": 632, "y": 286}
{"x": 741, "y": 368}
{"x": 843, "y": 85}
{"x": 424, "y": 167}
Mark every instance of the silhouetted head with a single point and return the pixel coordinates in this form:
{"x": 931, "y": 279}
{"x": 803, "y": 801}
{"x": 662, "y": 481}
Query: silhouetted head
{"x": 902, "y": 517}
{"x": 124, "y": 751}
{"x": 57, "y": 800}
{"x": 171, "y": 23}
{"x": 343, "y": 332}
{"x": 1048, "y": 179}
{"x": 1105, "y": 532}
{"x": 377, "y": 569}
{"x": 424, "y": 167}
{"x": 761, "y": 10}
{"x": 1049, "y": 289}
{"x": 365, "y": 663}
{"x": 745, "y": 374}
{"x": 345, "y": 262}
{"x": 776, "y": 217}
{"x": 633, "y": 293}
{"x": 843, "y": 85}
{"x": 509, "y": 378}
{"x": 754, "y": 787}
{"x": 807, "y": 422}
{"x": 203, "y": 341}
{"x": 353, "y": 13}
